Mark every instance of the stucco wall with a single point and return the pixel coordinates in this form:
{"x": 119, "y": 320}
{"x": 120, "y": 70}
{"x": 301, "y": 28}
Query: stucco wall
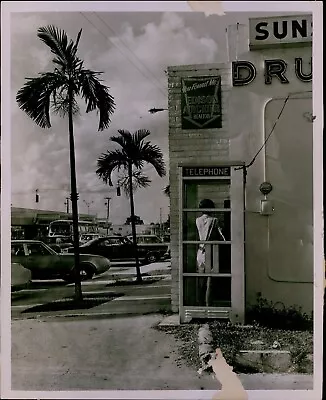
{"x": 279, "y": 256}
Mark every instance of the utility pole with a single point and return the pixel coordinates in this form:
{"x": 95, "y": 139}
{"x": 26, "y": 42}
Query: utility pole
{"x": 161, "y": 221}
{"x": 67, "y": 204}
{"x": 107, "y": 213}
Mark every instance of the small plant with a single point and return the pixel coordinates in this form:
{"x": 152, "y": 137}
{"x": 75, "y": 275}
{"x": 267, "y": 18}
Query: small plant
{"x": 269, "y": 314}
{"x": 165, "y": 311}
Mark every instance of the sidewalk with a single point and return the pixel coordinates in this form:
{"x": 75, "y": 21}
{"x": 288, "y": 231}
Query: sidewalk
{"x": 120, "y": 353}
{"x": 163, "y": 267}
{"x": 132, "y": 299}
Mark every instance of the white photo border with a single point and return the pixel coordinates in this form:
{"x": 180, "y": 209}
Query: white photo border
{"x": 315, "y": 8}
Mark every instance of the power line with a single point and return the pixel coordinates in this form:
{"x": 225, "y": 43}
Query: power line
{"x": 107, "y": 38}
{"x": 272, "y": 130}
{"x": 128, "y": 48}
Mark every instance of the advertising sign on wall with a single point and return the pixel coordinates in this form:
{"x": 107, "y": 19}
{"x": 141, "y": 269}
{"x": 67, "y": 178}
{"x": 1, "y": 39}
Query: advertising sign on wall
{"x": 280, "y": 31}
{"x": 201, "y": 103}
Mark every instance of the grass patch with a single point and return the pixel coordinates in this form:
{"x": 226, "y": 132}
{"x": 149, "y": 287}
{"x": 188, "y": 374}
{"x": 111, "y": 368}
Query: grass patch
{"x": 68, "y": 304}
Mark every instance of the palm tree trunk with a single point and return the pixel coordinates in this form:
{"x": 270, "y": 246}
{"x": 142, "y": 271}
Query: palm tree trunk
{"x": 133, "y": 222}
{"x": 74, "y": 205}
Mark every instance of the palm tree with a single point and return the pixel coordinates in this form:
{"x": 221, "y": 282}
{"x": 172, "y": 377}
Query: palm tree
{"x": 57, "y": 91}
{"x": 134, "y": 152}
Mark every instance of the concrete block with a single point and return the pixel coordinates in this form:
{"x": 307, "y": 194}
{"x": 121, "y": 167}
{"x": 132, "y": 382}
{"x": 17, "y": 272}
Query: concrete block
{"x": 174, "y": 307}
{"x": 265, "y": 360}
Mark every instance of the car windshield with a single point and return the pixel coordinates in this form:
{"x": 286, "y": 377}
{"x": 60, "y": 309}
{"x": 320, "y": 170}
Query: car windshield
{"x": 88, "y": 237}
{"x": 60, "y": 229}
{"x": 33, "y": 248}
{"x": 149, "y": 239}
{"x": 108, "y": 241}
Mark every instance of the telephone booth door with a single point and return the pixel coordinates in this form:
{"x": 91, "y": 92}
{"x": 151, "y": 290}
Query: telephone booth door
{"x": 211, "y": 242}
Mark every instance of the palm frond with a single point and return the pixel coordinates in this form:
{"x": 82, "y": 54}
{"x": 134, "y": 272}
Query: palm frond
{"x": 35, "y": 96}
{"x": 96, "y": 96}
{"x": 60, "y": 104}
{"x": 123, "y": 140}
{"x": 166, "y": 190}
{"x": 140, "y": 135}
{"x": 108, "y": 162}
{"x": 57, "y": 40}
{"x": 77, "y": 42}
{"x": 153, "y": 155}
{"x": 138, "y": 181}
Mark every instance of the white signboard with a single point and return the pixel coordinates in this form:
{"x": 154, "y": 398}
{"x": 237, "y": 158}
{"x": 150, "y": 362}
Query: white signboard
{"x": 283, "y": 31}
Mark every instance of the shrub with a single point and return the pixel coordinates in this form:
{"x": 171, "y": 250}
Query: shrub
{"x": 269, "y": 314}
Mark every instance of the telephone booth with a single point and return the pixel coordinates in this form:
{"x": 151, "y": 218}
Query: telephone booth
{"x": 211, "y": 242}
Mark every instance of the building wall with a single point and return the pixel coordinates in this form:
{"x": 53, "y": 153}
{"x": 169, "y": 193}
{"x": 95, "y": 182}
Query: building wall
{"x": 279, "y": 248}
{"x": 202, "y": 146}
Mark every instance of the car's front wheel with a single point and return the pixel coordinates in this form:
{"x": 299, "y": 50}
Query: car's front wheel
{"x": 86, "y": 272}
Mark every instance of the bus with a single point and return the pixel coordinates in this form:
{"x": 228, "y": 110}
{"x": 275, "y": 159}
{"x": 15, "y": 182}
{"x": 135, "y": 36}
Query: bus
{"x": 63, "y": 229}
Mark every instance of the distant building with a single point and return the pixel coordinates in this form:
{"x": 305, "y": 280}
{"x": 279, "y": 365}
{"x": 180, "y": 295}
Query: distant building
{"x": 31, "y": 223}
{"x": 125, "y": 230}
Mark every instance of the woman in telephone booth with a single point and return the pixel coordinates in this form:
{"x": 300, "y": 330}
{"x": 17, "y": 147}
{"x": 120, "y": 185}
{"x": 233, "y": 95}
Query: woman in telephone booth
{"x": 209, "y": 229}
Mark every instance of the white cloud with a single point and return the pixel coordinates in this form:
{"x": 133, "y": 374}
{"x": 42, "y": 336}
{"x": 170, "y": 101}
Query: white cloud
{"x": 40, "y": 158}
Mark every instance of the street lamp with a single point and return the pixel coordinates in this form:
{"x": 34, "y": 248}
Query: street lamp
{"x": 88, "y": 205}
{"x": 156, "y": 110}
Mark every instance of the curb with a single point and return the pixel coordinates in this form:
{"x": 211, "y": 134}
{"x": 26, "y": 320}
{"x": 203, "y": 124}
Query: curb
{"x": 131, "y": 278}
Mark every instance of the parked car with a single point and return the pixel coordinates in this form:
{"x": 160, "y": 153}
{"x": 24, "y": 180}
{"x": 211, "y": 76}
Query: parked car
{"x": 120, "y": 249}
{"x": 166, "y": 238}
{"x": 58, "y": 243}
{"x": 45, "y": 263}
{"x": 86, "y": 237}
{"x": 153, "y": 243}
{"x": 20, "y": 276}
{"x": 167, "y": 254}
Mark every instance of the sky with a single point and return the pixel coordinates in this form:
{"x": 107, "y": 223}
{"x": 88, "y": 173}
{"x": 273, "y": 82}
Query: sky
{"x": 133, "y": 51}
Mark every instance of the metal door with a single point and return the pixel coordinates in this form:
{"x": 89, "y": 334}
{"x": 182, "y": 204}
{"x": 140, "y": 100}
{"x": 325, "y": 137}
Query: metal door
{"x": 211, "y": 242}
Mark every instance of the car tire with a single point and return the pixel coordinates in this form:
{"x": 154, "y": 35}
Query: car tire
{"x": 86, "y": 273}
{"x": 151, "y": 257}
